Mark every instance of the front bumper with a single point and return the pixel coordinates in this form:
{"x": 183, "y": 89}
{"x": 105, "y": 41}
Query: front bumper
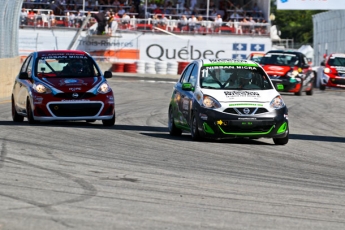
{"x": 331, "y": 80}
{"x": 50, "y": 108}
{"x": 286, "y": 84}
{"x": 219, "y": 125}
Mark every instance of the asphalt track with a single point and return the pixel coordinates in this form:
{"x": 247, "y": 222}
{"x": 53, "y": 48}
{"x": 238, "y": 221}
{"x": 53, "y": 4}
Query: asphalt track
{"x": 78, "y": 175}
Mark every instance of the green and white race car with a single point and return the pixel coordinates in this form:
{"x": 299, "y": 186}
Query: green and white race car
{"x": 227, "y": 98}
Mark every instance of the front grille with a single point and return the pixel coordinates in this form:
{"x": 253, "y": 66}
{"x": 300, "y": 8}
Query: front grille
{"x": 70, "y": 95}
{"x": 239, "y": 111}
{"x": 237, "y": 129}
{"x": 75, "y": 109}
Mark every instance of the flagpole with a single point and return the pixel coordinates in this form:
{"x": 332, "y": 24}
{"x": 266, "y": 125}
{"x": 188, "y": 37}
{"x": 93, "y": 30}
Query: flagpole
{"x": 208, "y": 9}
{"x": 145, "y": 9}
{"x": 83, "y": 5}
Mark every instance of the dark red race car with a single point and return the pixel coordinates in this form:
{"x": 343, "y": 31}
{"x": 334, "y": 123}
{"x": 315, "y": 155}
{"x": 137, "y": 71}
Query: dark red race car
{"x": 334, "y": 71}
{"x": 289, "y": 71}
{"x": 62, "y": 85}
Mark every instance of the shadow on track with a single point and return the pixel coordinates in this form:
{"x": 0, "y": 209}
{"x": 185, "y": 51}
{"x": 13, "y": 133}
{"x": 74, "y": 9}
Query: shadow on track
{"x": 306, "y": 137}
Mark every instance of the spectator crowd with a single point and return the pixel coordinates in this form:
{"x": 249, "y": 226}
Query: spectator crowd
{"x": 241, "y": 16}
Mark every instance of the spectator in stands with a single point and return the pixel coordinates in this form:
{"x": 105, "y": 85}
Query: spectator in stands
{"x": 163, "y": 21}
{"x": 23, "y": 17}
{"x": 100, "y": 18}
{"x": 182, "y": 22}
{"x": 52, "y": 19}
{"x": 31, "y": 17}
{"x": 235, "y": 17}
{"x": 199, "y": 23}
{"x": 187, "y": 10}
{"x": 152, "y": 6}
{"x": 193, "y": 3}
{"x": 89, "y": 6}
{"x": 125, "y": 20}
{"x": 116, "y": 3}
{"x": 192, "y": 23}
{"x": 157, "y": 10}
{"x": 121, "y": 11}
{"x": 218, "y": 21}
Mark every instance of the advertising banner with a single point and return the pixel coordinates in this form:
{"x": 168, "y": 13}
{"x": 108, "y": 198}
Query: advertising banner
{"x": 148, "y": 47}
{"x": 310, "y": 4}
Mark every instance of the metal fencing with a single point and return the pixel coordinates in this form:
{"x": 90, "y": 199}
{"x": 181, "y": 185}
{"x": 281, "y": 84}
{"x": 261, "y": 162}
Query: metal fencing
{"x": 9, "y": 23}
{"x": 329, "y": 34}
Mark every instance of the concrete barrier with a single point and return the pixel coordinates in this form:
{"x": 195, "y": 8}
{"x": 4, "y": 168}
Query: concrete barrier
{"x": 9, "y": 69}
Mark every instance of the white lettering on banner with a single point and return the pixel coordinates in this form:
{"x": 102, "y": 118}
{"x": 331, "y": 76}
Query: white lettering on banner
{"x": 228, "y": 60}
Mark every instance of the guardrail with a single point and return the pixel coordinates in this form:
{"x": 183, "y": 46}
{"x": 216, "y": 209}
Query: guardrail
{"x": 148, "y": 25}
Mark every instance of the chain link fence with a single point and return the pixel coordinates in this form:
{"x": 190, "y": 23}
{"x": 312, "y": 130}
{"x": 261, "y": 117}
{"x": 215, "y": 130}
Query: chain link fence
{"x": 9, "y": 24}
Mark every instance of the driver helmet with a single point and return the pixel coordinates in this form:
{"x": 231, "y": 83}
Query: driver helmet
{"x": 77, "y": 67}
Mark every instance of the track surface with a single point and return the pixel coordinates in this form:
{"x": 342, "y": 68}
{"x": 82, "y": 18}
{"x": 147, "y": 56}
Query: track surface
{"x": 78, "y": 175}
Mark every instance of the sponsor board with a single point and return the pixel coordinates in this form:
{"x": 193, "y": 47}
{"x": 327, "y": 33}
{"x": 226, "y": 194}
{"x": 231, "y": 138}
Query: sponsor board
{"x": 145, "y": 46}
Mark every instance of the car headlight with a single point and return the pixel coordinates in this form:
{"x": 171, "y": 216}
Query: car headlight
{"x": 210, "y": 103}
{"x": 292, "y": 73}
{"x": 277, "y": 102}
{"x": 104, "y": 88}
{"x": 327, "y": 70}
{"x": 40, "y": 88}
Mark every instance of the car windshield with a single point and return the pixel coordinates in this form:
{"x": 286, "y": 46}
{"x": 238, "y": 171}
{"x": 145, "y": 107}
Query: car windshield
{"x": 336, "y": 61}
{"x": 71, "y": 65}
{"x": 283, "y": 59}
{"x": 234, "y": 77}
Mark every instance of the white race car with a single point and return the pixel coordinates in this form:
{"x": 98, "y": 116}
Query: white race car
{"x": 227, "y": 98}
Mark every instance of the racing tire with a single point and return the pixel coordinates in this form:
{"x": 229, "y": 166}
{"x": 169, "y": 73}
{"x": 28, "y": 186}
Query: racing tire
{"x": 194, "y": 129}
{"x": 281, "y": 141}
{"x": 29, "y": 113}
{"x": 93, "y": 120}
{"x": 310, "y": 92}
{"x": 322, "y": 87}
{"x": 173, "y": 130}
{"x": 109, "y": 122}
{"x": 15, "y": 116}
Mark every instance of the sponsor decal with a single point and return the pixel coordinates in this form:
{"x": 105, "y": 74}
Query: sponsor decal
{"x": 246, "y": 104}
{"x": 228, "y": 60}
{"x": 72, "y": 82}
{"x": 246, "y": 118}
{"x": 241, "y": 94}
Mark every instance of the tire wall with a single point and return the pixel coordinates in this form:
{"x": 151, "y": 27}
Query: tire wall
{"x": 329, "y": 34}
{"x": 9, "y": 57}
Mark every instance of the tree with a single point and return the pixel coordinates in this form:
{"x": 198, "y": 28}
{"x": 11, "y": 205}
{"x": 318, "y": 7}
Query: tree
{"x": 294, "y": 24}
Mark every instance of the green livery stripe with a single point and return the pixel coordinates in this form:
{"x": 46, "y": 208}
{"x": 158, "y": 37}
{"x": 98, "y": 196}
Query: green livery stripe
{"x": 282, "y": 128}
{"x": 184, "y": 127}
{"x": 247, "y": 134}
{"x": 230, "y": 64}
{"x": 207, "y": 128}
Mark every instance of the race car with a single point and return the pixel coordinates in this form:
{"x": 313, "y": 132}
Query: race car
{"x": 334, "y": 71}
{"x": 289, "y": 71}
{"x": 62, "y": 85}
{"x": 255, "y": 56}
{"x": 227, "y": 98}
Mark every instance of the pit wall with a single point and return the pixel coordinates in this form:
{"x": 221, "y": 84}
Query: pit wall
{"x": 9, "y": 69}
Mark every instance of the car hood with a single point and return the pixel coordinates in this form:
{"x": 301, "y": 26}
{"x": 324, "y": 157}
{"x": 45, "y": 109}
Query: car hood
{"x": 72, "y": 84}
{"x": 276, "y": 70}
{"x": 242, "y": 95}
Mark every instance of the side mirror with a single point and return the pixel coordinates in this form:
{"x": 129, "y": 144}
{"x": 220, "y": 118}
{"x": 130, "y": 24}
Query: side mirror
{"x": 23, "y": 75}
{"x": 322, "y": 63}
{"x": 108, "y": 74}
{"x": 187, "y": 86}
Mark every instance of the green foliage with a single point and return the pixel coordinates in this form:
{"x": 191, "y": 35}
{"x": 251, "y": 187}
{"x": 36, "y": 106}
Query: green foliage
{"x": 294, "y": 24}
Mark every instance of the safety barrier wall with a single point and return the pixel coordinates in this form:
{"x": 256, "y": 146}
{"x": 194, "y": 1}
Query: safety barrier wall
{"x": 9, "y": 69}
{"x": 329, "y": 34}
{"x": 9, "y": 59}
